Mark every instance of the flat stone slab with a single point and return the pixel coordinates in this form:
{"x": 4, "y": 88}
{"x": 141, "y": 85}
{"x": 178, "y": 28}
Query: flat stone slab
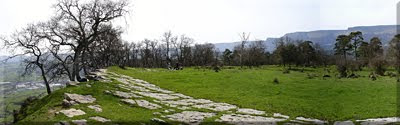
{"x": 280, "y": 115}
{"x": 96, "y": 108}
{"x": 239, "y": 119}
{"x": 147, "y": 104}
{"x": 379, "y": 121}
{"x": 80, "y": 122}
{"x": 343, "y": 123}
{"x": 141, "y": 103}
{"x": 100, "y": 119}
{"x": 129, "y": 101}
{"x": 159, "y": 96}
{"x": 72, "y": 112}
{"x": 79, "y": 98}
{"x": 250, "y": 111}
{"x": 216, "y": 106}
{"x": 125, "y": 95}
{"x": 314, "y": 121}
{"x": 190, "y": 117}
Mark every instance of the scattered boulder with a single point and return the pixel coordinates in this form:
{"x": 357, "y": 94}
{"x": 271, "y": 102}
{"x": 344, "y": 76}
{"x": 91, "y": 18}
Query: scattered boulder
{"x": 79, "y": 98}
{"x": 66, "y": 103}
{"x": 96, "y": 108}
{"x": 100, "y": 119}
{"x": 80, "y": 122}
{"x": 72, "y": 112}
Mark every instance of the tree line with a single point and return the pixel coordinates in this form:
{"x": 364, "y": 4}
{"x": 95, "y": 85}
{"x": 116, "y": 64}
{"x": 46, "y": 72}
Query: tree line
{"x": 81, "y": 37}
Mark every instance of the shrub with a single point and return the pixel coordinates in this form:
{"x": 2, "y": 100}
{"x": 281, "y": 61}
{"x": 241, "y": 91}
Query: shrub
{"x": 378, "y": 65}
{"x": 276, "y": 81}
{"x": 342, "y": 69}
{"x": 286, "y": 71}
{"x": 216, "y": 68}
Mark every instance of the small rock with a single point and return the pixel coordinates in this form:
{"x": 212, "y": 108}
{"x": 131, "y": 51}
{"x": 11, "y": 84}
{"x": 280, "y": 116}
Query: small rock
{"x": 129, "y": 101}
{"x": 72, "y": 112}
{"x": 72, "y": 83}
{"x": 107, "y": 92}
{"x": 79, "y": 98}
{"x": 156, "y": 113}
{"x": 158, "y": 120}
{"x": 100, "y": 119}
{"x": 96, "y": 108}
{"x": 80, "y": 122}
{"x": 87, "y": 85}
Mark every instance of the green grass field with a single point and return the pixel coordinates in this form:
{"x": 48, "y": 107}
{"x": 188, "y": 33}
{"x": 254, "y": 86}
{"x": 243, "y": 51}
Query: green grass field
{"x": 332, "y": 99}
{"x": 296, "y": 95}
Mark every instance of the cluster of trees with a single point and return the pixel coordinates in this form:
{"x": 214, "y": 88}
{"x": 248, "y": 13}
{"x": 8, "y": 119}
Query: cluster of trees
{"x": 353, "y": 53}
{"x": 79, "y": 33}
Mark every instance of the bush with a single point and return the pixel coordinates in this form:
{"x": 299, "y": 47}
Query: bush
{"x": 216, "y": 68}
{"x": 372, "y": 76}
{"x": 342, "y": 69}
{"x": 378, "y": 65}
{"x": 276, "y": 81}
{"x": 286, "y": 71}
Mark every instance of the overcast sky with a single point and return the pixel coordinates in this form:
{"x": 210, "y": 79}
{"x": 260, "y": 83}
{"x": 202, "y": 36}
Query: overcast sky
{"x": 221, "y": 20}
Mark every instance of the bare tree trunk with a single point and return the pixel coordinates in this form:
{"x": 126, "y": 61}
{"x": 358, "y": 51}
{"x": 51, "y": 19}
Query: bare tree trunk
{"x": 45, "y": 79}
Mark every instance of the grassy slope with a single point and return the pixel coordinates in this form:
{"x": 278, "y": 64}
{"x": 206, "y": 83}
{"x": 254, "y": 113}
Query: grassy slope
{"x": 295, "y": 95}
{"x": 42, "y": 111}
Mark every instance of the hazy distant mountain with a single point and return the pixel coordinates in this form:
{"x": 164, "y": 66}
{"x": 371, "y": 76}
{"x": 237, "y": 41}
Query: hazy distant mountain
{"x": 326, "y": 38}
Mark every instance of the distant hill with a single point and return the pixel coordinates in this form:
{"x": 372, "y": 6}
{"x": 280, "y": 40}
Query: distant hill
{"x": 326, "y": 38}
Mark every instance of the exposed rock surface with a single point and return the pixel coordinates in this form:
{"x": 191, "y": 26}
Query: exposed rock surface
{"x": 314, "y": 121}
{"x": 125, "y": 95}
{"x": 248, "y": 119}
{"x": 80, "y": 122}
{"x": 190, "y": 117}
{"x": 100, "y": 119}
{"x": 216, "y": 106}
{"x": 147, "y": 104}
{"x": 72, "y": 112}
{"x": 79, "y": 98}
{"x": 250, "y": 111}
{"x": 343, "y": 123}
{"x": 96, "y": 108}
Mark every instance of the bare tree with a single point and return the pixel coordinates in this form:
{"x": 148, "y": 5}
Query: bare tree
{"x": 244, "y": 39}
{"x": 32, "y": 46}
{"x": 80, "y": 23}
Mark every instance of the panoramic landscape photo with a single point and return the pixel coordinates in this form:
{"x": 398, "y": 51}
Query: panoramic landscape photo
{"x": 234, "y": 62}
